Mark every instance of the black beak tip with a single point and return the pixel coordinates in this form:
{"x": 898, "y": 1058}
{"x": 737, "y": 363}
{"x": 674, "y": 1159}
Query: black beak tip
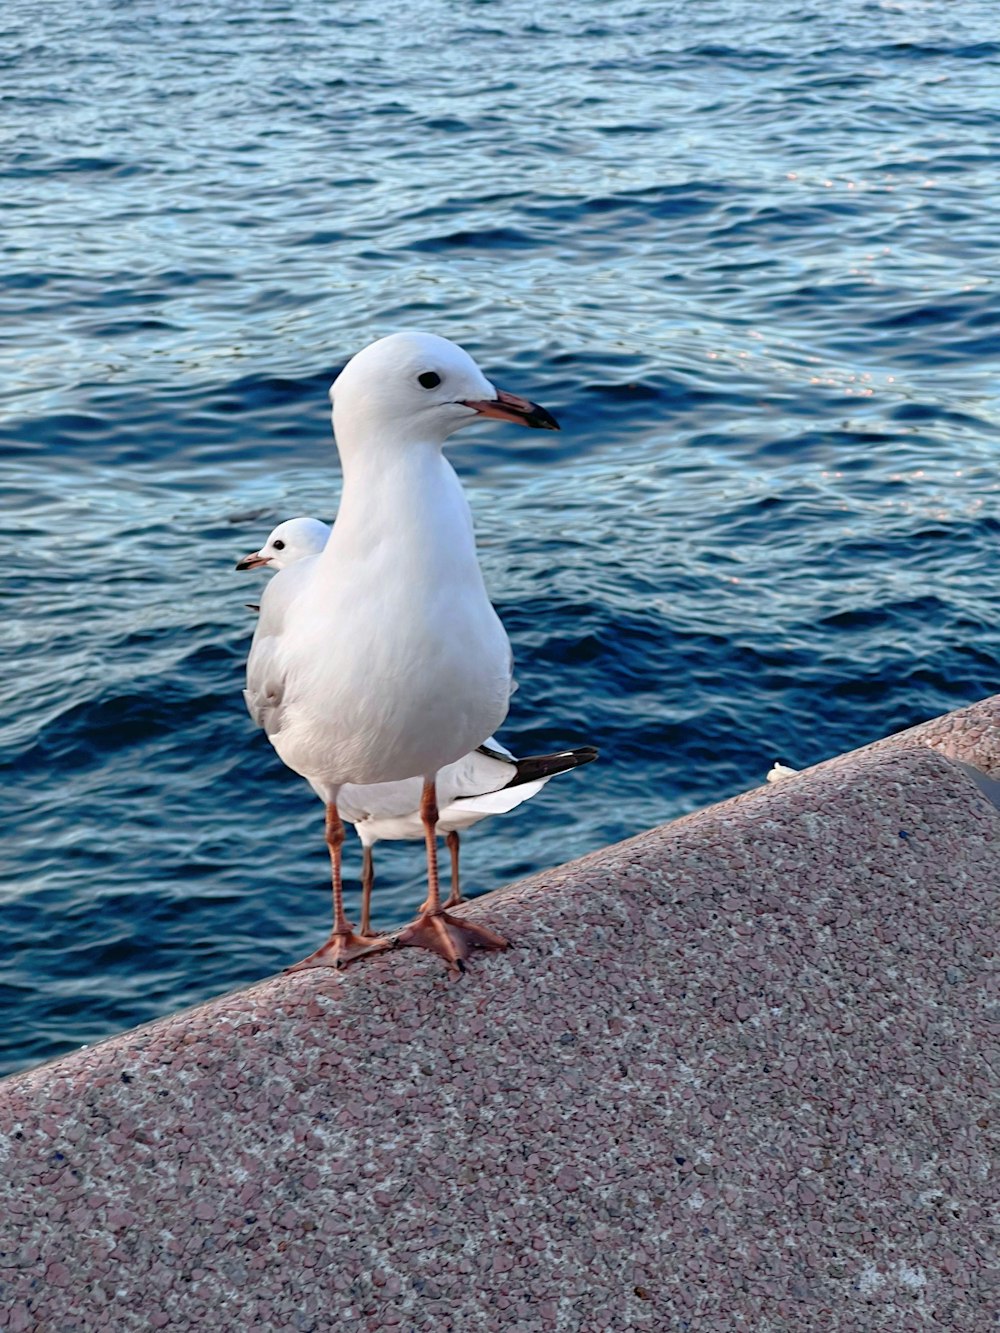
{"x": 541, "y": 419}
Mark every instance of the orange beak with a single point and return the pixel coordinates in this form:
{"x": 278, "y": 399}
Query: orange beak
{"x": 252, "y": 561}
{"x": 509, "y": 407}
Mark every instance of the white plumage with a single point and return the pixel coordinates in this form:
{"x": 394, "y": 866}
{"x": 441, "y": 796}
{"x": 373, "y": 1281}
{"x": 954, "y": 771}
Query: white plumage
{"x": 381, "y": 657}
{"x": 486, "y": 781}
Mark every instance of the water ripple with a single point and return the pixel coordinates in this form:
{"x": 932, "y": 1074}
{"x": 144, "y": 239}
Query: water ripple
{"x": 748, "y": 258}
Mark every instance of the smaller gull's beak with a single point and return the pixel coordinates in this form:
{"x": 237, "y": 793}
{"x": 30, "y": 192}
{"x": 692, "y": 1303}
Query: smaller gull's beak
{"x": 508, "y": 407}
{"x": 252, "y": 561}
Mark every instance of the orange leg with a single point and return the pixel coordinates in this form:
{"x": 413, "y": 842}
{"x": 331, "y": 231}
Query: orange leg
{"x": 367, "y": 884}
{"x": 343, "y": 946}
{"x": 435, "y": 928}
{"x": 456, "y": 883}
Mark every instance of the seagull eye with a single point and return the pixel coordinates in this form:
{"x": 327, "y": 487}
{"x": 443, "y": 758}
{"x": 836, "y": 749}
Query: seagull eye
{"x": 279, "y": 545}
{"x": 430, "y": 379}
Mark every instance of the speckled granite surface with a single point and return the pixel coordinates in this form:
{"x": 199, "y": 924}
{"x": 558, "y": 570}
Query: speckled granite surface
{"x": 735, "y": 1076}
{"x": 972, "y": 734}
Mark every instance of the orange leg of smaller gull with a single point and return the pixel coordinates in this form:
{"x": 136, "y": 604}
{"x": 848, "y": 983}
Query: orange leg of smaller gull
{"x": 367, "y": 884}
{"x": 436, "y": 929}
{"x": 343, "y": 946}
{"x": 456, "y": 885}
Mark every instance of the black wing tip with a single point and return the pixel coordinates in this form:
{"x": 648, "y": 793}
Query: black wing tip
{"x": 586, "y": 754}
{"x": 536, "y": 766}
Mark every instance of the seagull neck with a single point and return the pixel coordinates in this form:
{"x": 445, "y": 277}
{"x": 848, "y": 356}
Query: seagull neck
{"x": 404, "y": 497}
{"x": 383, "y": 465}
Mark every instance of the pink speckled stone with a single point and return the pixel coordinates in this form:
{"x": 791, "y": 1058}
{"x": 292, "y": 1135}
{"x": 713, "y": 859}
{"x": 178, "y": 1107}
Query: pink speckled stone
{"x": 736, "y": 1074}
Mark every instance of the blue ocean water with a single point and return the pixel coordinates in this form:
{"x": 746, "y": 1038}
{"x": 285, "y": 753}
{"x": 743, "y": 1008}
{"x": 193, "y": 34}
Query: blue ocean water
{"x": 747, "y": 254}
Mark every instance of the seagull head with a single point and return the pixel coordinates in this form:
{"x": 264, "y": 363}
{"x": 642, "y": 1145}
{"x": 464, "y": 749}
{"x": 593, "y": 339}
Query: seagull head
{"x": 420, "y": 387}
{"x": 289, "y": 541}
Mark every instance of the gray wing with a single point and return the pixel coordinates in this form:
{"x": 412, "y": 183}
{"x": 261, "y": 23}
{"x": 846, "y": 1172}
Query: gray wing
{"x": 265, "y": 689}
{"x": 510, "y": 674}
{"x": 266, "y": 665}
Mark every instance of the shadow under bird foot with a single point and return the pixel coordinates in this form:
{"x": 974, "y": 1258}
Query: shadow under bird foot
{"x": 342, "y": 949}
{"x": 450, "y": 936}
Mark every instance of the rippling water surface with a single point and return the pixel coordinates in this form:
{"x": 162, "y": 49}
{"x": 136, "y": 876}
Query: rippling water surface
{"x": 747, "y": 255}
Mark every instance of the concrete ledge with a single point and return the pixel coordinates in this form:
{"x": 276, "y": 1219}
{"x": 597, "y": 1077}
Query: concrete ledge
{"x": 734, "y": 1076}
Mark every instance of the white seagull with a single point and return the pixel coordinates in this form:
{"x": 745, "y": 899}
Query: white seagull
{"x": 381, "y": 657}
{"x": 487, "y": 781}
{"x": 289, "y": 541}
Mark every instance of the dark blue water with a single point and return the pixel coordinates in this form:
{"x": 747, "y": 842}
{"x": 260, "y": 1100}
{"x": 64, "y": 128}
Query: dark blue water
{"x": 746, "y": 253}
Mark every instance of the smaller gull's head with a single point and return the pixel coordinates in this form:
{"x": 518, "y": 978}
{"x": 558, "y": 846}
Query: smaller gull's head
{"x": 418, "y": 387}
{"x": 290, "y": 541}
